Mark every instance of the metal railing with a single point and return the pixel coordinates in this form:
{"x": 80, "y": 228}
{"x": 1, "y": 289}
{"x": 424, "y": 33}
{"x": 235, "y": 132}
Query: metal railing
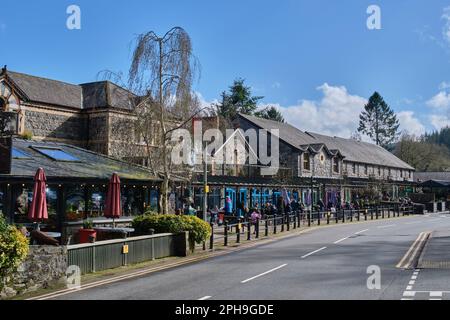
{"x": 98, "y": 256}
{"x": 246, "y": 230}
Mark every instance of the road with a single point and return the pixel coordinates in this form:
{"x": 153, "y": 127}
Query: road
{"x": 326, "y": 263}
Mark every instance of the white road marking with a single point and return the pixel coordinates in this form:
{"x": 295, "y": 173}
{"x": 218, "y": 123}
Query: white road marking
{"x": 434, "y": 220}
{"x": 388, "y": 226}
{"x": 409, "y": 293}
{"x": 412, "y": 282}
{"x": 414, "y": 277}
{"x": 205, "y": 298}
{"x": 436, "y": 294}
{"x": 413, "y": 222}
{"x": 359, "y": 232}
{"x": 263, "y": 274}
{"x": 339, "y": 241}
{"x": 409, "y": 288}
{"x": 311, "y": 253}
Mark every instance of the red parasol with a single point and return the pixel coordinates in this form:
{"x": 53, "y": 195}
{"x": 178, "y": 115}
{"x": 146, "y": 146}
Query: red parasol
{"x": 38, "y": 208}
{"x": 113, "y": 208}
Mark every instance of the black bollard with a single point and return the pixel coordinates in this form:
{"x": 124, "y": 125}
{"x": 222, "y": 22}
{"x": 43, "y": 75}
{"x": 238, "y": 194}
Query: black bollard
{"x": 225, "y": 234}
{"x": 274, "y": 225}
{"x": 211, "y": 239}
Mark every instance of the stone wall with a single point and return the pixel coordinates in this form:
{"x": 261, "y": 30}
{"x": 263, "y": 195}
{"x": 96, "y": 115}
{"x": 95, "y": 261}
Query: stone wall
{"x": 70, "y": 127}
{"x": 43, "y": 267}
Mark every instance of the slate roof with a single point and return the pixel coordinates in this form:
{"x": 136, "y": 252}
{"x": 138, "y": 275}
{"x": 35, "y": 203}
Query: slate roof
{"x": 48, "y": 91}
{"x": 92, "y": 166}
{"x": 98, "y": 94}
{"x": 350, "y": 149}
{"x": 425, "y": 176}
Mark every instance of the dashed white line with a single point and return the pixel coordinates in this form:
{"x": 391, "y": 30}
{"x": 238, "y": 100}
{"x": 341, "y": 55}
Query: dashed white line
{"x": 339, "y": 241}
{"x": 311, "y": 253}
{"x": 388, "y": 226}
{"x": 359, "y": 232}
{"x": 436, "y": 294}
{"x": 409, "y": 293}
{"x": 264, "y": 273}
{"x": 205, "y": 298}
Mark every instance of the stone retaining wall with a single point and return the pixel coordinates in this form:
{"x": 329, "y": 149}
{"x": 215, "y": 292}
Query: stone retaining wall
{"x": 43, "y": 267}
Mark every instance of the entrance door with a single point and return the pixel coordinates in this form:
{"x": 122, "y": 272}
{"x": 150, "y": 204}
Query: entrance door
{"x": 242, "y": 201}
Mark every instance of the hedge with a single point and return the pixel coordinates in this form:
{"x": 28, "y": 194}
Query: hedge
{"x": 198, "y": 229}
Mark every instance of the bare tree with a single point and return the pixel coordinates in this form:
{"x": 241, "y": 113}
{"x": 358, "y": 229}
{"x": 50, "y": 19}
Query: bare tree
{"x": 161, "y": 73}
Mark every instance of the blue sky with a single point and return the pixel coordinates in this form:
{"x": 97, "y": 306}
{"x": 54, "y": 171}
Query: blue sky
{"x": 315, "y": 60}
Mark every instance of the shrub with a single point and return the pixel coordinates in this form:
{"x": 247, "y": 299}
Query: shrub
{"x": 13, "y": 248}
{"x": 198, "y": 229}
{"x": 27, "y": 135}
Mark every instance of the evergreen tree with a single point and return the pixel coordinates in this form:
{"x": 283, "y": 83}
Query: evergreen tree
{"x": 239, "y": 99}
{"x": 270, "y": 113}
{"x": 379, "y": 121}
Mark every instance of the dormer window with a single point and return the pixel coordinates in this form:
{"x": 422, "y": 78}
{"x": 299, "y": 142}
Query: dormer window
{"x": 306, "y": 162}
{"x": 336, "y": 165}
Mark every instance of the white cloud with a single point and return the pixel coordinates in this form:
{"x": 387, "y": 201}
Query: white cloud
{"x": 446, "y": 28}
{"x": 444, "y": 85}
{"x": 439, "y": 121}
{"x": 440, "y": 101}
{"x": 336, "y": 114}
{"x": 276, "y": 85}
{"x": 203, "y": 102}
{"x": 409, "y": 123}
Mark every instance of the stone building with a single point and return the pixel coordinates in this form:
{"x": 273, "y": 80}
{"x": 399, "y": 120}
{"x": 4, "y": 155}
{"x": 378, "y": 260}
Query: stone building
{"x": 85, "y": 115}
{"x": 311, "y": 167}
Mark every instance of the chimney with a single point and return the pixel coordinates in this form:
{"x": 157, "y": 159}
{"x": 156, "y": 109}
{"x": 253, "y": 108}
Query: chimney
{"x": 5, "y": 155}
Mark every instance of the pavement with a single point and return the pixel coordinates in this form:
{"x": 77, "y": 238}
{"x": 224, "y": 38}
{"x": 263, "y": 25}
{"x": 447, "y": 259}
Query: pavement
{"x": 349, "y": 261}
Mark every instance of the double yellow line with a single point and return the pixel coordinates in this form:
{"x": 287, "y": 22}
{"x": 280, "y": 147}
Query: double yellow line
{"x": 412, "y": 256}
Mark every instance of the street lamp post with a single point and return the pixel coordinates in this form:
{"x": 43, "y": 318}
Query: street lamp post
{"x": 205, "y": 186}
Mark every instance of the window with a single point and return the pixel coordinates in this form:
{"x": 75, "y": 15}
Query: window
{"x": 353, "y": 168}
{"x": 366, "y": 170}
{"x": 306, "y": 162}
{"x": 410, "y": 173}
{"x": 17, "y": 154}
{"x": 8, "y": 101}
{"x": 322, "y": 158}
{"x": 336, "y": 165}
{"x": 379, "y": 171}
{"x": 56, "y": 154}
